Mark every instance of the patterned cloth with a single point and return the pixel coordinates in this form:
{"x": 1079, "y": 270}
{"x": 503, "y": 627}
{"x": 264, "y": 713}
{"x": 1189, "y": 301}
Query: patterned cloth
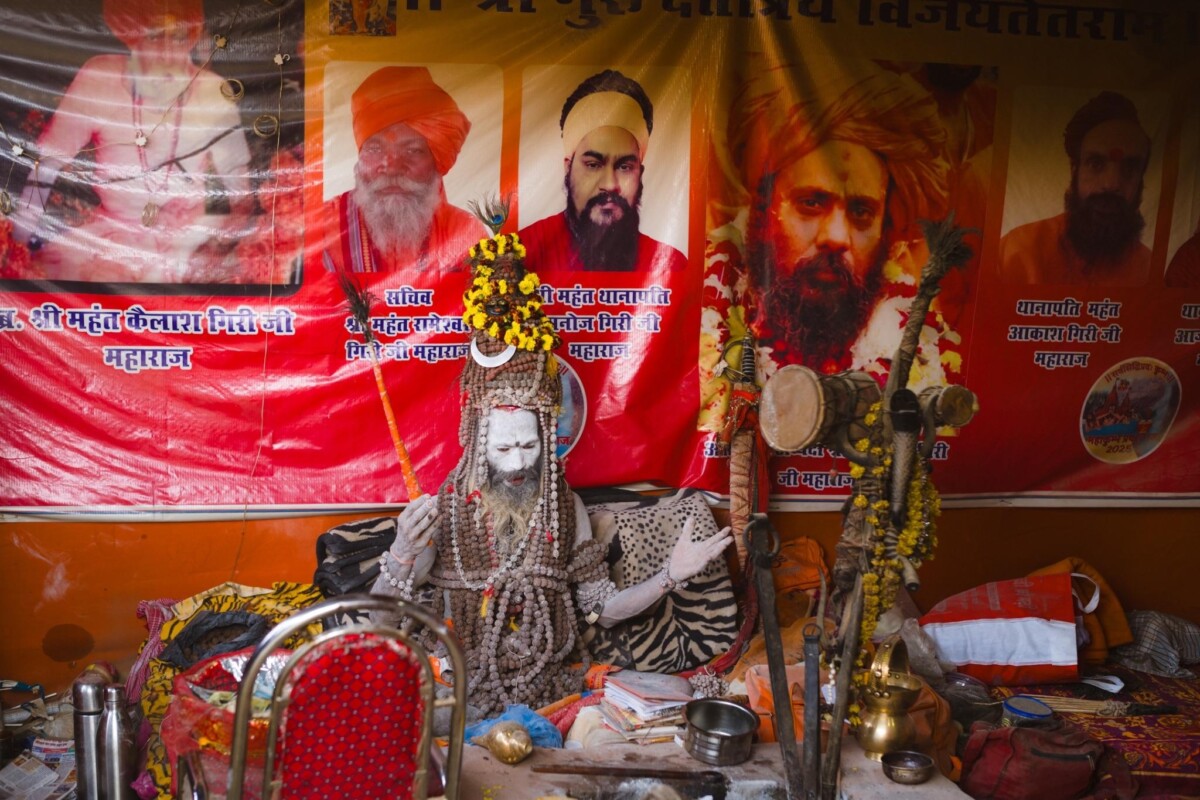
{"x": 565, "y": 717}
{"x": 1162, "y": 644}
{"x": 695, "y": 622}
{"x": 276, "y": 603}
{"x": 1162, "y": 750}
{"x": 156, "y": 613}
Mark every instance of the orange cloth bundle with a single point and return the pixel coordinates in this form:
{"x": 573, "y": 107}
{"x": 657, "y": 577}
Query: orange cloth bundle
{"x": 800, "y": 566}
{"x": 1106, "y": 626}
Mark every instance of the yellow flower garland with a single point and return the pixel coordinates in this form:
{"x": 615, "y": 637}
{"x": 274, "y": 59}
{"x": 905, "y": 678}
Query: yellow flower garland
{"x": 520, "y": 324}
{"x": 916, "y": 541}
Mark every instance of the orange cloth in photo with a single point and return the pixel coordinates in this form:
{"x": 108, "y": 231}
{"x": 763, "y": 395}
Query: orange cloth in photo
{"x": 1033, "y": 253}
{"x": 408, "y": 95}
{"x": 791, "y": 635}
{"x": 762, "y": 700}
{"x": 1106, "y": 626}
{"x": 1184, "y": 270}
{"x": 551, "y": 251}
{"x": 132, "y": 20}
{"x": 800, "y": 566}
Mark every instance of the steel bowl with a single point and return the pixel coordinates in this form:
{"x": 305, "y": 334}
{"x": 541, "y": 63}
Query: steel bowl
{"x": 907, "y": 766}
{"x": 719, "y": 732}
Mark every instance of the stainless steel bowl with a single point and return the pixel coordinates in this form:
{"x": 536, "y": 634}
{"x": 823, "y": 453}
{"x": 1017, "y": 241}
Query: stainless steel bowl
{"x": 719, "y": 732}
{"x": 907, "y": 766}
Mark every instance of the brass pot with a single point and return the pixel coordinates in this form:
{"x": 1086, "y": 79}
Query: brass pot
{"x": 889, "y": 693}
{"x": 886, "y": 725}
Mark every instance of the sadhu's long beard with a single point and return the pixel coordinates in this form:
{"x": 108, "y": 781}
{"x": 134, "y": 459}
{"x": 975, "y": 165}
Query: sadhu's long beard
{"x": 1102, "y": 227}
{"x": 813, "y": 314}
{"x": 610, "y": 246}
{"x": 509, "y": 505}
{"x": 398, "y": 223}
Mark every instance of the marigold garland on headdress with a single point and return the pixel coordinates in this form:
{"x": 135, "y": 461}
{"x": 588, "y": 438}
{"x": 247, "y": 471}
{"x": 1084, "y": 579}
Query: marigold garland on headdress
{"x": 503, "y": 299}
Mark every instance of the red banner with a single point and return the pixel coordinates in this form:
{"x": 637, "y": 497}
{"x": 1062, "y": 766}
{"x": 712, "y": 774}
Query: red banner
{"x": 185, "y": 181}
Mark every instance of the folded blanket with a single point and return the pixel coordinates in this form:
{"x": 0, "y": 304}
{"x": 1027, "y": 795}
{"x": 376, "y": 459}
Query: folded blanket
{"x": 1162, "y": 644}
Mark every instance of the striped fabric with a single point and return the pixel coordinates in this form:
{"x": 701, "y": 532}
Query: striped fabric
{"x": 1162, "y": 644}
{"x": 694, "y": 623}
{"x": 156, "y": 613}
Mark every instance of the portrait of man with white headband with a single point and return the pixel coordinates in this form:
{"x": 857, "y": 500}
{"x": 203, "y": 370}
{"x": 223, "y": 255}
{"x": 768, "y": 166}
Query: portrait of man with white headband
{"x": 606, "y": 124}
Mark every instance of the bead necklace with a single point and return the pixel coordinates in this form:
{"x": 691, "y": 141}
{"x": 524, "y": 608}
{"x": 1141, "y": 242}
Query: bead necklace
{"x": 406, "y": 586}
{"x": 142, "y": 140}
{"x": 488, "y": 585}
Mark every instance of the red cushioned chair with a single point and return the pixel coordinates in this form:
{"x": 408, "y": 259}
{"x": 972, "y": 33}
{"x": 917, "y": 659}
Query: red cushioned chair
{"x": 351, "y": 712}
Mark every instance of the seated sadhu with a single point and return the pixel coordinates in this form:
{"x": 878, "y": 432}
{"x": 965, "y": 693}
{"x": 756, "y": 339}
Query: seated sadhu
{"x": 504, "y": 549}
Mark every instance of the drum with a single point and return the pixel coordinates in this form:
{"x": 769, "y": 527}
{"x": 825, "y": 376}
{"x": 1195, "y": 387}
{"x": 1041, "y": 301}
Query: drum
{"x": 800, "y": 408}
{"x": 953, "y": 405}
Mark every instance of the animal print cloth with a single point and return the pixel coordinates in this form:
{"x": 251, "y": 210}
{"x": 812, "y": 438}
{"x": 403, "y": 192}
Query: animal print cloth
{"x": 692, "y": 625}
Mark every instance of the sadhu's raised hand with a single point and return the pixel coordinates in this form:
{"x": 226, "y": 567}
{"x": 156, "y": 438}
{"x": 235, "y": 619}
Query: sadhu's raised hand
{"x": 415, "y": 526}
{"x": 689, "y": 558}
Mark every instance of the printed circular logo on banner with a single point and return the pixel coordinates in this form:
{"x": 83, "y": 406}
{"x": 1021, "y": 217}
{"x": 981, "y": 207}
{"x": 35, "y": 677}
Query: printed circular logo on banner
{"x": 1129, "y": 410}
{"x": 573, "y": 414}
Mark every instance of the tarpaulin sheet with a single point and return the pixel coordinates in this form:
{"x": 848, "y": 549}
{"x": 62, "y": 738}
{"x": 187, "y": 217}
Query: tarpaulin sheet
{"x": 182, "y": 179}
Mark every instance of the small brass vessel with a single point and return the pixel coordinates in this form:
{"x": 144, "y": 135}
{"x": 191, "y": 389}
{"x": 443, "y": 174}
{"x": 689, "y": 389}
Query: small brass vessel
{"x": 508, "y": 741}
{"x": 889, "y": 693}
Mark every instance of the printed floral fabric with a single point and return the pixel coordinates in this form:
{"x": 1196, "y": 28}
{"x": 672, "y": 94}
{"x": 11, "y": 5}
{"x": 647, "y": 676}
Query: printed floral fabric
{"x": 1162, "y": 750}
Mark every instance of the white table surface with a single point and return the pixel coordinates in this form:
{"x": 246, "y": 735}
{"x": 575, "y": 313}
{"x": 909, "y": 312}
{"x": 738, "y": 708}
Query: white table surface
{"x": 484, "y": 778}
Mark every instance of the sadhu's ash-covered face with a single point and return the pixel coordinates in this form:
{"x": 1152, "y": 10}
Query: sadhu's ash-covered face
{"x": 514, "y": 454}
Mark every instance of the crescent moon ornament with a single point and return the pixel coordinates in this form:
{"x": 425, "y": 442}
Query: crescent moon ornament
{"x": 503, "y": 357}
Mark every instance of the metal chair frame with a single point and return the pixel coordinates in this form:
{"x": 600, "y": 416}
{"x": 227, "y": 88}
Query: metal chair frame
{"x": 354, "y": 602}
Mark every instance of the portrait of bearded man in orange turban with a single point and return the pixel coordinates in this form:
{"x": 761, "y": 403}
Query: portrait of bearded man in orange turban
{"x": 813, "y": 239}
{"x": 408, "y": 132}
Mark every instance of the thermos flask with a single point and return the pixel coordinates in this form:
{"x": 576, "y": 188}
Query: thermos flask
{"x": 117, "y": 747}
{"x": 87, "y": 695}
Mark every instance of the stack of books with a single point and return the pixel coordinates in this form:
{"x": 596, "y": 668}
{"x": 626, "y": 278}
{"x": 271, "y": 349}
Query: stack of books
{"x": 645, "y": 707}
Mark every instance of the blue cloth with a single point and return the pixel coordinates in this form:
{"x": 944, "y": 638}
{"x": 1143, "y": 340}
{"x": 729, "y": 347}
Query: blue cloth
{"x": 541, "y": 730}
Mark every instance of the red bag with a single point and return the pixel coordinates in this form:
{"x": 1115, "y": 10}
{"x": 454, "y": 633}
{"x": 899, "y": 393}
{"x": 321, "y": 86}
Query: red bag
{"x": 1009, "y": 632}
{"x": 1003, "y": 763}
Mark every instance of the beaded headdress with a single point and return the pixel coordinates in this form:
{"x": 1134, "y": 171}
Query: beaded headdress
{"x": 510, "y": 585}
{"x": 512, "y": 342}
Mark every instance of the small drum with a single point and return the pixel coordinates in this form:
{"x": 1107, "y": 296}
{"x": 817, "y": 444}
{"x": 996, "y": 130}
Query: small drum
{"x": 953, "y": 405}
{"x": 800, "y": 408}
